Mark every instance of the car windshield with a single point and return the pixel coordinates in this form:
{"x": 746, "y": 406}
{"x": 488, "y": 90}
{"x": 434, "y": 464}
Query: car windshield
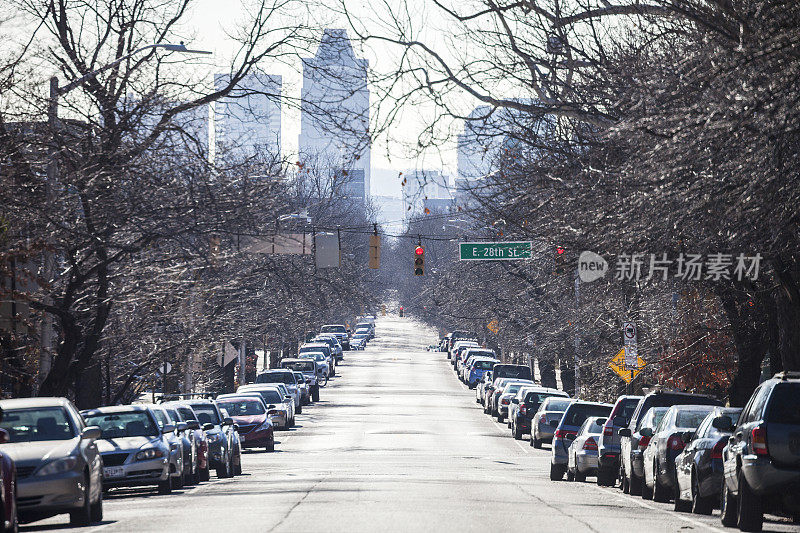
{"x": 578, "y": 413}
{"x": 187, "y": 413}
{"x": 558, "y": 406}
{"x": 359, "y": 335}
{"x": 173, "y": 414}
{"x": 276, "y": 377}
{"x": 785, "y": 404}
{"x": 535, "y": 399}
{"x": 653, "y": 418}
{"x": 124, "y": 424}
{"x": 161, "y": 418}
{"x": 626, "y": 409}
{"x": 333, "y": 329}
{"x": 513, "y": 371}
{"x": 512, "y": 388}
{"x": 483, "y": 365}
{"x": 39, "y": 424}
{"x": 323, "y": 348}
{"x": 690, "y": 419}
{"x": 481, "y": 353}
{"x": 242, "y": 407}
{"x": 206, "y": 414}
{"x": 300, "y": 366}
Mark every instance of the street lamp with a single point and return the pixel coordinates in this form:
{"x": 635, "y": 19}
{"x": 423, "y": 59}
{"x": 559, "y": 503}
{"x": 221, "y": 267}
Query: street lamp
{"x": 52, "y": 176}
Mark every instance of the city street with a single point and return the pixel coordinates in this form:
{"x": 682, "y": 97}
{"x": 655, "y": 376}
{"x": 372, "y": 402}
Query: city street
{"x": 397, "y": 443}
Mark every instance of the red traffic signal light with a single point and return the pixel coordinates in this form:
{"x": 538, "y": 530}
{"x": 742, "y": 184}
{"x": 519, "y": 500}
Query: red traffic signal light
{"x": 559, "y": 250}
{"x": 419, "y": 261}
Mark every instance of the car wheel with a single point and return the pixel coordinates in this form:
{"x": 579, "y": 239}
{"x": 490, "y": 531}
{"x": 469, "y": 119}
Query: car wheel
{"x": 300, "y": 409}
{"x": 236, "y": 467}
{"x": 315, "y": 393}
{"x": 516, "y": 432}
{"x": 205, "y": 474}
{"x": 727, "y": 505}
{"x": 660, "y": 493}
{"x": 177, "y": 482}
{"x": 579, "y": 476}
{"x": 271, "y": 446}
{"x": 165, "y": 487}
{"x": 223, "y": 470}
{"x": 605, "y": 477}
{"x": 196, "y": 476}
{"x": 536, "y": 443}
{"x": 700, "y": 504}
{"x": 570, "y": 475}
{"x": 647, "y": 490}
{"x": 681, "y": 506}
{"x": 188, "y": 477}
{"x": 500, "y": 418}
{"x": 626, "y": 484}
{"x": 635, "y": 484}
{"x": 96, "y": 510}
{"x": 751, "y": 512}
{"x": 83, "y": 516}
{"x": 556, "y": 472}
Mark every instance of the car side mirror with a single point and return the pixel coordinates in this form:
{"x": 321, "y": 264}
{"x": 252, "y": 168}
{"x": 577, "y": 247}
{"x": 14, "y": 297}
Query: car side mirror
{"x": 227, "y": 421}
{"x": 625, "y": 432}
{"x": 687, "y": 436}
{"x": 646, "y": 432}
{"x": 554, "y": 423}
{"x": 208, "y": 426}
{"x": 236, "y": 426}
{"x": 4, "y": 436}
{"x": 571, "y": 436}
{"x": 88, "y": 433}
{"x": 722, "y": 423}
{"x": 271, "y": 406}
{"x": 181, "y": 426}
{"x": 168, "y": 428}
{"x": 193, "y": 424}
{"x": 288, "y": 397}
{"x": 732, "y": 440}
{"x": 515, "y": 401}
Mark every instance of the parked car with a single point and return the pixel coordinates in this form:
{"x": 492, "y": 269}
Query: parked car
{"x": 367, "y": 328}
{"x": 221, "y": 443}
{"x": 630, "y": 453}
{"x": 177, "y": 463}
{"x": 477, "y": 368}
{"x": 136, "y": 452}
{"x": 359, "y": 340}
{"x": 525, "y": 404}
{"x": 483, "y": 385}
{"x": 582, "y": 455}
{"x": 546, "y": 419}
{"x": 494, "y": 398}
{"x": 251, "y": 416}
{"x": 310, "y": 372}
{"x": 187, "y": 428}
{"x": 279, "y": 402}
{"x": 9, "y": 520}
{"x": 314, "y": 347}
{"x": 58, "y": 466}
{"x": 632, "y": 446}
{"x": 458, "y": 348}
{"x": 665, "y": 445}
{"x": 288, "y": 379}
{"x": 199, "y": 437}
{"x": 576, "y": 414}
{"x": 699, "y": 465}
{"x": 512, "y": 371}
{"x": 456, "y": 336}
{"x": 503, "y": 400}
{"x": 762, "y": 458}
{"x": 232, "y": 429}
{"x": 609, "y": 441}
{"x": 333, "y": 343}
{"x": 340, "y": 331}
{"x": 302, "y": 385}
{"x": 322, "y": 364}
{"x": 470, "y": 355}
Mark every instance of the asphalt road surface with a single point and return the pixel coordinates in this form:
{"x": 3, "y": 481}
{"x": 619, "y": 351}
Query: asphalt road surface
{"x": 396, "y": 444}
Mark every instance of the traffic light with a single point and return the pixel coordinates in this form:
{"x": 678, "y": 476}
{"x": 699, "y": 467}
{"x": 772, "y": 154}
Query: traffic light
{"x": 419, "y": 261}
{"x": 561, "y": 258}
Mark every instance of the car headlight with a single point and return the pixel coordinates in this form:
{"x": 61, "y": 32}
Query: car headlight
{"x": 149, "y": 453}
{"x": 59, "y": 466}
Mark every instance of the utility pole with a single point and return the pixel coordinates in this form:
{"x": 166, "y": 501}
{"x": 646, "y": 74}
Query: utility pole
{"x": 577, "y": 361}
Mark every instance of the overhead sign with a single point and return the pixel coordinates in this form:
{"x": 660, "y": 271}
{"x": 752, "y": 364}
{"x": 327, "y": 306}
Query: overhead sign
{"x": 229, "y": 353}
{"x": 327, "y": 250}
{"x": 629, "y": 332}
{"x": 493, "y": 326}
{"x": 628, "y": 373}
{"x": 495, "y": 251}
{"x": 279, "y": 243}
{"x": 374, "y": 251}
{"x": 165, "y": 368}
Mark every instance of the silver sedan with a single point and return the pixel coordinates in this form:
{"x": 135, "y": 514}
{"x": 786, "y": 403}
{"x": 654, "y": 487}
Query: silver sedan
{"x": 582, "y": 456}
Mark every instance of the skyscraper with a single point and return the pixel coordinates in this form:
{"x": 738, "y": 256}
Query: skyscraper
{"x": 249, "y": 118}
{"x": 334, "y": 122}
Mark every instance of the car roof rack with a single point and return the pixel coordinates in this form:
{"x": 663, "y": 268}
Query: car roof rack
{"x": 787, "y": 375}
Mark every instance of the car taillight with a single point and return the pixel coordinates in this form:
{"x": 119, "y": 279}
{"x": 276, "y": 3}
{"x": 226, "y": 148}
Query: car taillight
{"x": 716, "y": 451}
{"x": 758, "y": 440}
{"x": 643, "y": 442}
{"x": 523, "y": 408}
{"x": 505, "y": 401}
{"x": 590, "y": 444}
{"x": 675, "y": 442}
{"x": 562, "y": 434}
{"x": 608, "y": 431}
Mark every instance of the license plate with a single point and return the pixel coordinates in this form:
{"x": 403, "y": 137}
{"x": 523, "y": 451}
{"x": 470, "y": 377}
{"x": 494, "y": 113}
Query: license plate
{"x": 113, "y": 471}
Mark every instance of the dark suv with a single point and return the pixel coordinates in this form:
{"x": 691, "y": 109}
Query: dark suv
{"x": 608, "y": 445}
{"x": 631, "y": 465}
{"x": 762, "y": 458}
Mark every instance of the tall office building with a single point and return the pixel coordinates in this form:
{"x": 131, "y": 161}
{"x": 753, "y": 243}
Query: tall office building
{"x": 422, "y": 185}
{"x": 249, "y": 118}
{"x": 334, "y": 122}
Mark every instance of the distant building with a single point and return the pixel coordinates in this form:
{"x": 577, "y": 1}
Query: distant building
{"x": 249, "y": 118}
{"x": 334, "y": 120}
{"x": 424, "y": 184}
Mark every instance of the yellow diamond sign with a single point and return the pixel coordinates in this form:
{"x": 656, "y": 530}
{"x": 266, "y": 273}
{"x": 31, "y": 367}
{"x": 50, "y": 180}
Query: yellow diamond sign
{"x": 493, "y": 326}
{"x": 617, "y": 364}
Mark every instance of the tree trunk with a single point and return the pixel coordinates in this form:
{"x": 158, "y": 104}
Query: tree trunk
{"x": 89, "y": 387}
{"x": 788, "y": 314}
{"x": 547, "y": 371}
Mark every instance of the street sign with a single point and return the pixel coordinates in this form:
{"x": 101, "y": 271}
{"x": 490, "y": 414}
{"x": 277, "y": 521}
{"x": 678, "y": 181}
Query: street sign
{"x": 627, "y": 373}
{"x": 629, "y": 333}
{"x": 631, "y": 355}
{"x": 495, "y": 251}
{"x": 493, "y": 326}
{"x": 165, "y": 368}
{"x": 327, "y": 250}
